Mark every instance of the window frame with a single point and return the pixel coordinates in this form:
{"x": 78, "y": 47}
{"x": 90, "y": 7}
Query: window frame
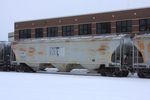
{"x": 124, "y": 26}
{"x": 25, "y": 34}
{"x": 52, "y": 31}
{"x": 39, "y": 32}
{"x": 85, "y": 29}
{"x": 144, "y": 25}
{"x": 103, "y": 28}
{"x": 68, "y": 30}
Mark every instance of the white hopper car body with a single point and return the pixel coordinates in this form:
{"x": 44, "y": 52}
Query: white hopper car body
{"x": 88, "y": 52}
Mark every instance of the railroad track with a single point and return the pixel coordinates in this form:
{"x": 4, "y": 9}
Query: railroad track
{"x": 80, "y": 74}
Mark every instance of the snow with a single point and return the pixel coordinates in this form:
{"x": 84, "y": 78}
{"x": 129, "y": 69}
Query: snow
{"x": 79, "y": 71}
{"x": 51, "y": 69}
{"x": 38, "y": 86}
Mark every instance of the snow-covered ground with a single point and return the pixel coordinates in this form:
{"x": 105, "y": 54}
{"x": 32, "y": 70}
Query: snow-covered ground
{"x": 35, "y": 86}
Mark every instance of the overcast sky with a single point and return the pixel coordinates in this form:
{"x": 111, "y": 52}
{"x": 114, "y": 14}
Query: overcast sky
{"x": 21, "y": 10}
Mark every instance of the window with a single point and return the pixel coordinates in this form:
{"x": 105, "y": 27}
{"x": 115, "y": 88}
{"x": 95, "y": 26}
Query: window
{"x": 68, "y": 30}
{"x": 85, "y": 29}
{"x": 144, "y": 25}
{"x": 25, "y": 34}
{"x": 52, "y": 31}
{"x": 103, "y": 28}
{"x": 124, "y": 26}
{"x": 38, "y": 32}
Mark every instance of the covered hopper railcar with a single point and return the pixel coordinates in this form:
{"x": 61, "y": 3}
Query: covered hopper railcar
{"x": 108, "y": 55}
{"x": 113, "y": 55}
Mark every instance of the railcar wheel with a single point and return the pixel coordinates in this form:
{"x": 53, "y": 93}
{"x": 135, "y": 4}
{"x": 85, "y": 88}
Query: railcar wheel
{"x": 118, "y": 74}
{"x": 141, "y": 75}
{"x": 122, "y": 73}
{"x": 103, "y": 73}
{"x": 125, "y": 73}
{"x": 23, "y": 68}
{"x": 17, "y": 69}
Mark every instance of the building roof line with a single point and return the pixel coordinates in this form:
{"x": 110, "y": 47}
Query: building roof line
{"x": 89, "y": 14}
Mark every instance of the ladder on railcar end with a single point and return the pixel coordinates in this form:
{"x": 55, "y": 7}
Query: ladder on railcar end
{"x": 12, "y": 59}
{"x": 2, "y": 54}
{"x": 134, "y": 56}
{"x": 137, "y": 59}
{"x": 125, "y": 55}
{"x": 118, "y": 54}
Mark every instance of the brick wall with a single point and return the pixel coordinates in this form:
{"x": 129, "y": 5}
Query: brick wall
{"x": 112, "y": 17}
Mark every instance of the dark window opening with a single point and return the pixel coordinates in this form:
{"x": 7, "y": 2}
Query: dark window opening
{"x": 102, "y": 28}
{"x": 68, "y": 30}
{"x": 124, "y": 26}
{"x": 25, "y": 34}
{"x": 38, "y": 32}
{"x": 85, "y": 29}
{"x": 52, "y": 31}
{"x": 144, "y": 25}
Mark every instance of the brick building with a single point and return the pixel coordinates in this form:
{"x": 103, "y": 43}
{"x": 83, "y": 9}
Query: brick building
{"x": 127, "y": 21}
